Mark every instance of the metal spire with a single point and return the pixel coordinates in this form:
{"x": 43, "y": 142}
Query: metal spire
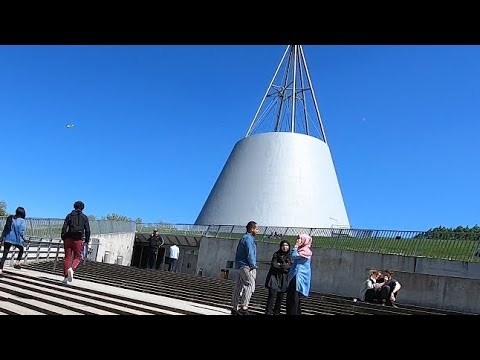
{"x": 289, "y": 98}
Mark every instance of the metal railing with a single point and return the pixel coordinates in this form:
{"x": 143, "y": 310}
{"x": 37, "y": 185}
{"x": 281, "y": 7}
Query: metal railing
{"x": 51, "y": 228}
{"x": 460, "y": 246}
{"x": 176, "y": 229}
{"x": 38, "y": 249}
{"x": 45, "y": 242}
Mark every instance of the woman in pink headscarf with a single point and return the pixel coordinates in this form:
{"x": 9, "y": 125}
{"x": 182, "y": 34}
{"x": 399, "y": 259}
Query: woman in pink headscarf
{"x": 300, "y": 274}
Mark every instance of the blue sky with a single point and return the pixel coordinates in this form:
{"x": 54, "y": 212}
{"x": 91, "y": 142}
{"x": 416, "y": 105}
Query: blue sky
{"x": 154, "y": 125}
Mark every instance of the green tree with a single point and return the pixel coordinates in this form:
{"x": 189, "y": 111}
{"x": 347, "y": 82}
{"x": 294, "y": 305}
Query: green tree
{"x": 3, "y": 208}
{"x": 117, "y": 217}
{"x": 457, "y": 233}
{"x": 161, "y": 222}
{"x": 92, "y": 217}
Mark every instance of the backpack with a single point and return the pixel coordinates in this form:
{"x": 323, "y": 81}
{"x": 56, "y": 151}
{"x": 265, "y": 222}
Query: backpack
{"x": 76, "y": 226}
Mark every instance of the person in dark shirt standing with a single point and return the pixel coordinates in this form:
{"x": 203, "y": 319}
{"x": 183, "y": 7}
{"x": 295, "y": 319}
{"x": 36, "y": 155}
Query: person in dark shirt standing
{"x": 154, "y": 243}
{"x": 75, "y": 230}
{"x": 276, "y": 280}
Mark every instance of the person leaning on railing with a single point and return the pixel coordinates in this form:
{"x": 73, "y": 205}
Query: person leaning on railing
{"x": 155, "y": 241}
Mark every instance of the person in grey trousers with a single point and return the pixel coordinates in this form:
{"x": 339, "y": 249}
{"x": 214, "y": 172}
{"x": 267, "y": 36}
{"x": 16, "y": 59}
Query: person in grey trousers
{"x": 246, "y": 263}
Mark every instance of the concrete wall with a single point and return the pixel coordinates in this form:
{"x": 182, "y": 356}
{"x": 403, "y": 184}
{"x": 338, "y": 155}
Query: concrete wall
{"x": 441, "y": 284}
{"x": 117, "y": 244}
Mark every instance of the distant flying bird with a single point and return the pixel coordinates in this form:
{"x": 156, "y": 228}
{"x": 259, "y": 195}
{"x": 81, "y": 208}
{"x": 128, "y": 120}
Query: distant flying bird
{"x": 70, "y": 126}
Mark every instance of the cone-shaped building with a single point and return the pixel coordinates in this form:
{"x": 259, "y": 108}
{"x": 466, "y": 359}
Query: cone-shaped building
{"x": 282, "y": 172}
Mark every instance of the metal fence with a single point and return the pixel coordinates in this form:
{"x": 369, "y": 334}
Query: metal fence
{"x": 51, "y": 228}
{"x": 45, "y": 242}
{"x": 460, "y": 246}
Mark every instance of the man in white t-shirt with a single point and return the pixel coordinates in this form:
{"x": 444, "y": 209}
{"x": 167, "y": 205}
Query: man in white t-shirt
{"x": 173, "y": 253}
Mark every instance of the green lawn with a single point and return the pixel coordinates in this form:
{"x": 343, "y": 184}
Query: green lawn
{"x": 415, "y": 245}
{"x": 406, "y": 243}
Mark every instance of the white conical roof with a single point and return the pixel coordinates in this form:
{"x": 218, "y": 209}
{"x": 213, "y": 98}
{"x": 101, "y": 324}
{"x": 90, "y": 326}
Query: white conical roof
{"x": 284, "y": 176}
{"x": 277, "y": 179}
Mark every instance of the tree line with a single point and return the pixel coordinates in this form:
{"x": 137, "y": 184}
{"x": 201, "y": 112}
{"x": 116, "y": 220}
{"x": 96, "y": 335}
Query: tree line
{"x": 439, "y": 232}
{"x": 112, "y": 216}
{"x": 453, "y": 233}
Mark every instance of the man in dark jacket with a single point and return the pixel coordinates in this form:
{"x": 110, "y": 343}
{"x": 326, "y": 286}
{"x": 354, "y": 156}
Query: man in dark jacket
{"x": 75, "y": 230}
{"x": 154, "y": 243}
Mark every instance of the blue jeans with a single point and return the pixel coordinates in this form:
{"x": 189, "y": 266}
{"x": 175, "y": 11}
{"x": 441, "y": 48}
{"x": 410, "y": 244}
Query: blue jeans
{"x": 172, "y": 265}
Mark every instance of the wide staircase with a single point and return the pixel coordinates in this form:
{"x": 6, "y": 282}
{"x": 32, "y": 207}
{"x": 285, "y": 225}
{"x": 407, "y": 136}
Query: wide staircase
{"x": 28, "y": 295}
{"x": 23, "y": 293}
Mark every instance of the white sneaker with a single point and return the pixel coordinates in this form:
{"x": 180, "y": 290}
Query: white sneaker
{"x": 65, "y": 281}
{"x": 70, "y": 274}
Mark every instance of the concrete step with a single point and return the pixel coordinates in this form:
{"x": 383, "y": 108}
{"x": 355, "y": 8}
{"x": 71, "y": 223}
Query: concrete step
{"x": 27, "y": 291}
{"x": 213, "y": 292}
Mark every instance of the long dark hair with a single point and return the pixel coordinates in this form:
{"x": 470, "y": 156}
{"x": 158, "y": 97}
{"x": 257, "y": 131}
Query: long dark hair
{"x": 20, "y": 212}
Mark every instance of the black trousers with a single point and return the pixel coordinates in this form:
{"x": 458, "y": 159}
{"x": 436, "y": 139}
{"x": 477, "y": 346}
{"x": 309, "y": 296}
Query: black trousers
{"x": 274, "y": 301}
{"x": 152, "y": 258}
{"x": 373, "y": 296}
{"x": 294, "y": 303}
{"x": 6, "y": 249}
{"x": 172, "y": 265}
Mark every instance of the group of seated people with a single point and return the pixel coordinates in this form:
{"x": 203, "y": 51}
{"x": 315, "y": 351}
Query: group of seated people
{"x": 274, "y": 235}
{"x": 380, "y": 288}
